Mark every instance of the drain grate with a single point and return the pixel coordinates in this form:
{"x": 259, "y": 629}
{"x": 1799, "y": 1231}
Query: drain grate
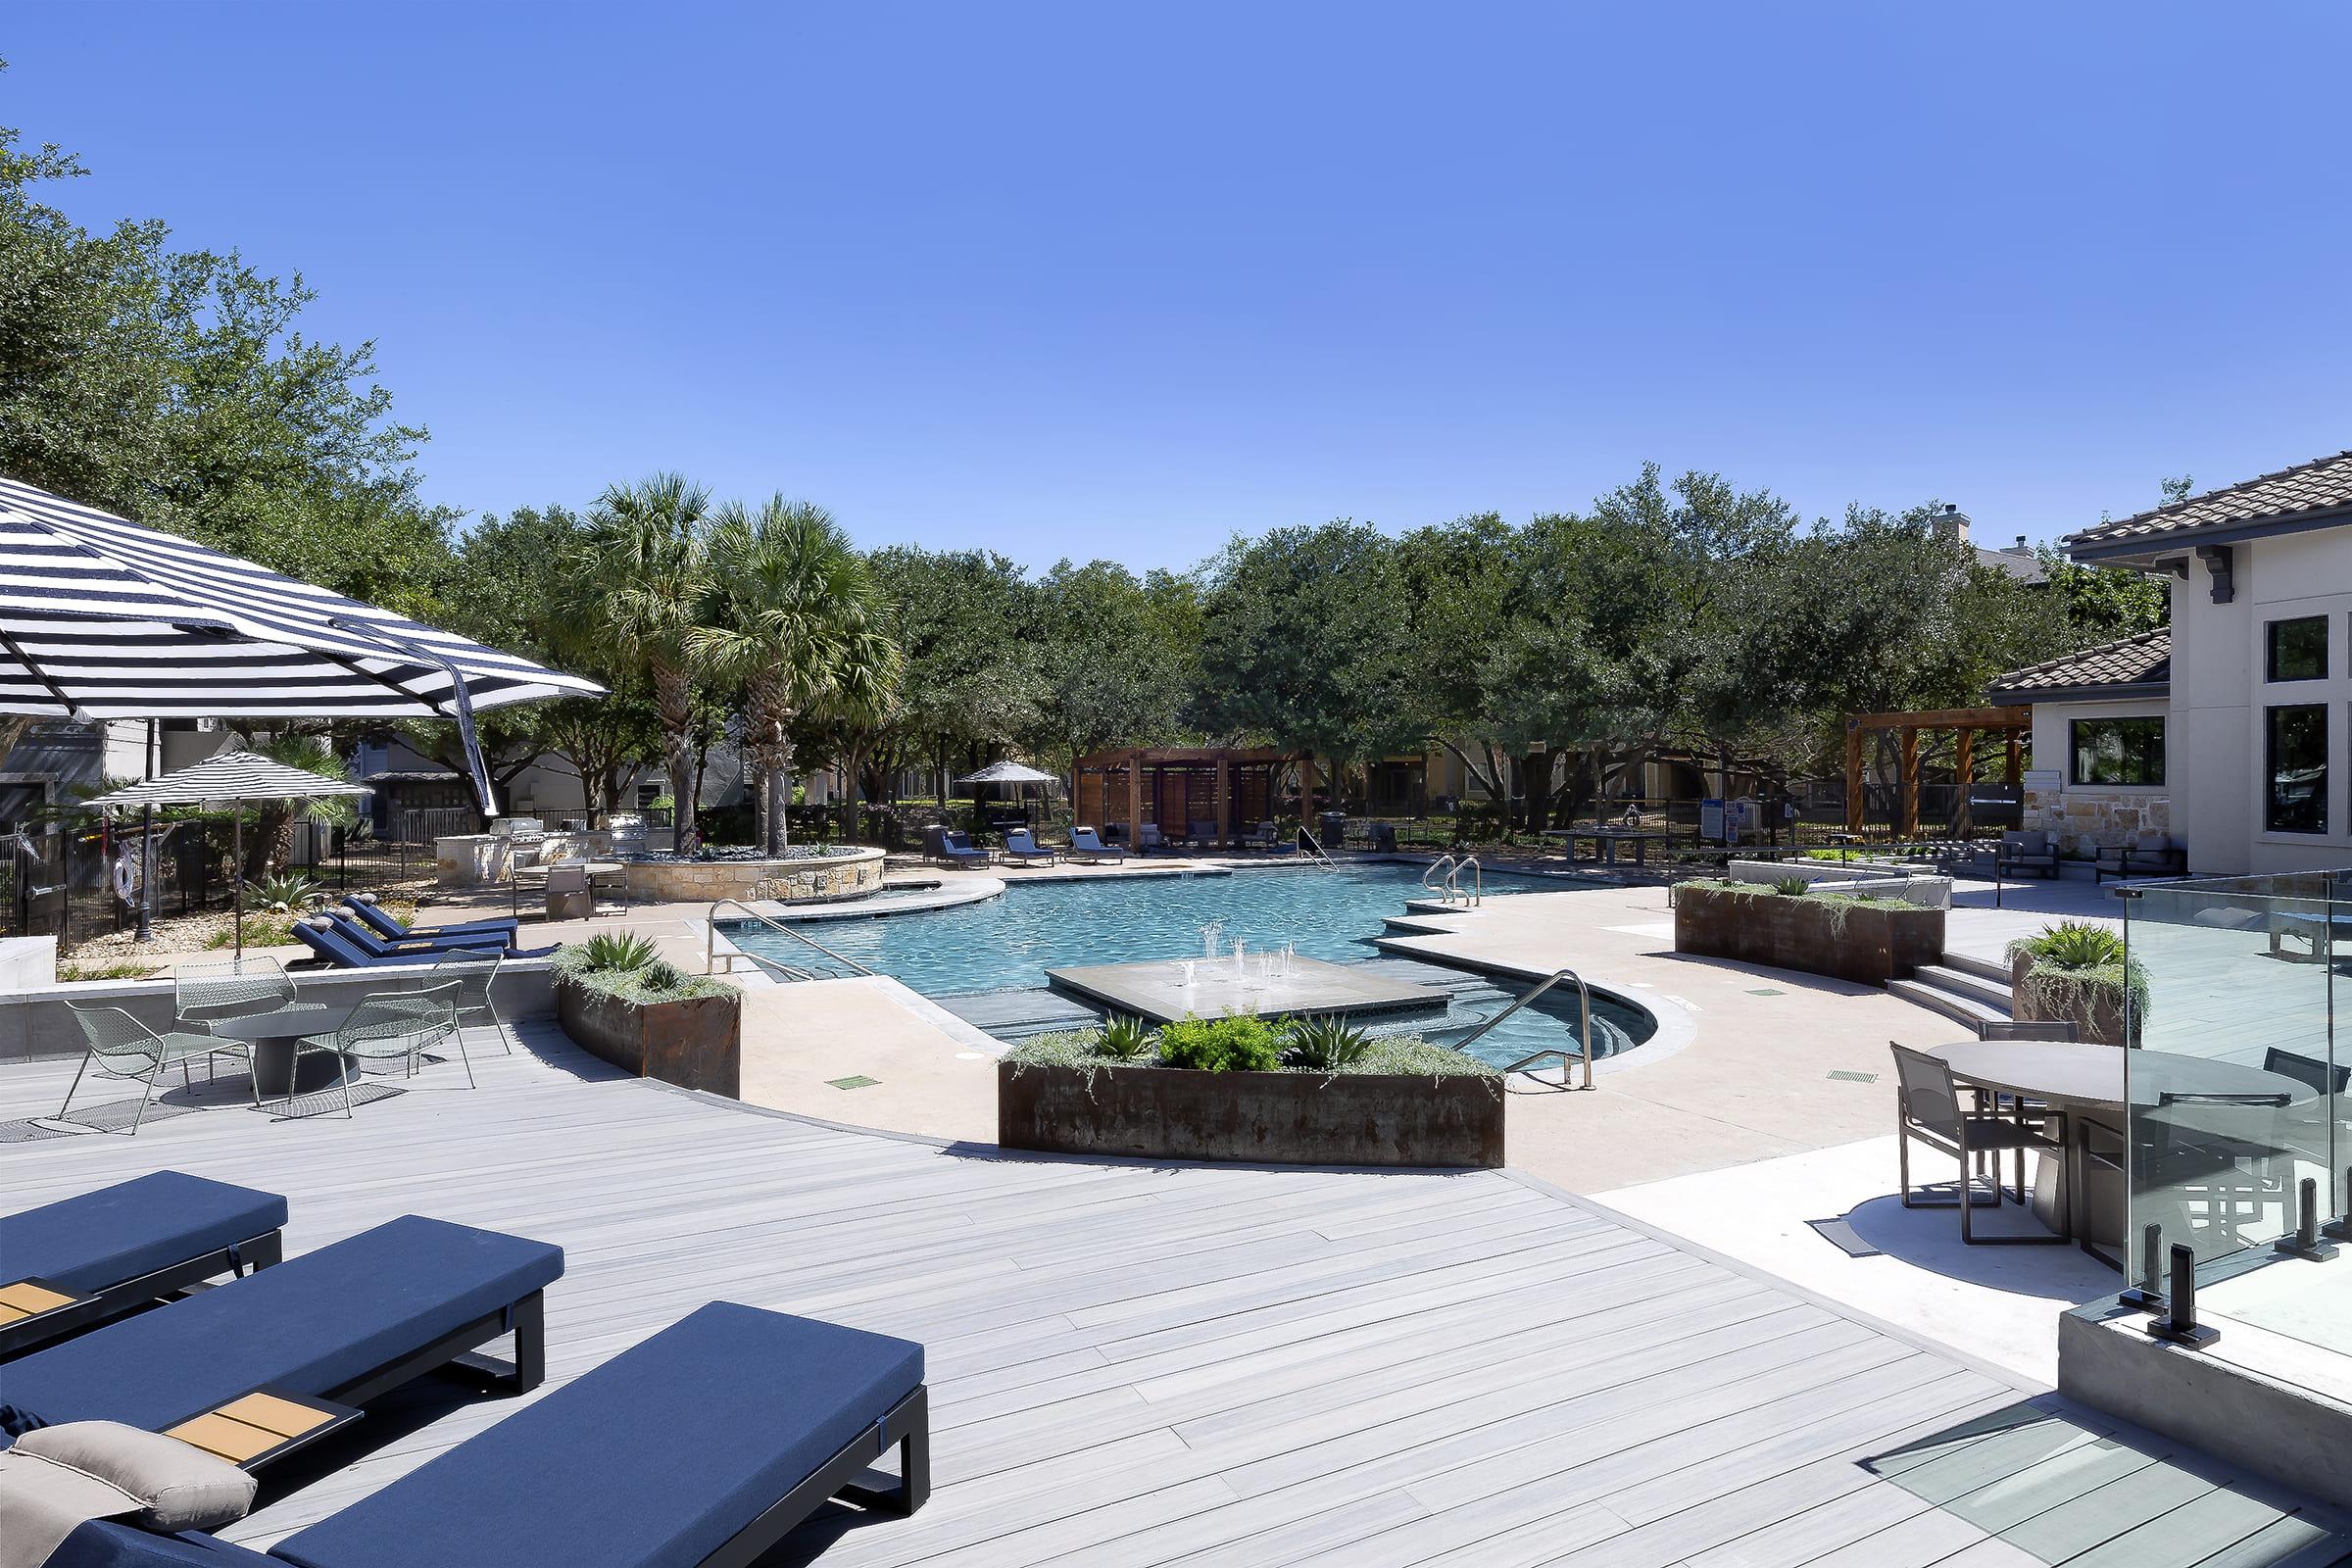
{"x": 856, "y": 1081}
{"x": 1844, "y": 1077}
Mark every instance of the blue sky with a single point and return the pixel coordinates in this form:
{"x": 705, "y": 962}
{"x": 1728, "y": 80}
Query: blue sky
{"x": 1123, "y": 281}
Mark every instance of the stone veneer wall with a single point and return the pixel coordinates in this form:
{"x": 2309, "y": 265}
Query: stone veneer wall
{"x": 2086, "y": 819}
{"x": 832, "y": 876}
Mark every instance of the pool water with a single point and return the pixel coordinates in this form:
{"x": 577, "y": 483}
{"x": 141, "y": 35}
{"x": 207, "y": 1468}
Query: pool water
{"x": 1329, "y": 912}
{"x": 1009, "y": 942}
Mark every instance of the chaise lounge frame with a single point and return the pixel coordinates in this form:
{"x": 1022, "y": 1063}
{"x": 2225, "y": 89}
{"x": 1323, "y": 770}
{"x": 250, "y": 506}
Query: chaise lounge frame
{"x": 908, "y": 1428}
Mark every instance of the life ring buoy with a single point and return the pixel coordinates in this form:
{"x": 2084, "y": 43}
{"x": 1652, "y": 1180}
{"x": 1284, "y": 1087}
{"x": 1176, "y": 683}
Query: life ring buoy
{"x": 127, "y": 876}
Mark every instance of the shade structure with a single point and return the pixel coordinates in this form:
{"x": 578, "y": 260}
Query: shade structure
{"x": 1009, "y": 773}
{"x": 231, "y": 776}
{"x": 103, "y": 618}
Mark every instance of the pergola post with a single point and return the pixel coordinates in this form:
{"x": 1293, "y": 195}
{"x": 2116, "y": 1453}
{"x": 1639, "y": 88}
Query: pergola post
{"x": 1907, "y": 820}
{"x": 1964, "y": 767}
{"x": 1135, "y": 800}
{"x": 2013, "y": 771}
{"x": 1855, "y": 803}
{"x": 1224, "y": 801}
{"x": 1306, "y": 789}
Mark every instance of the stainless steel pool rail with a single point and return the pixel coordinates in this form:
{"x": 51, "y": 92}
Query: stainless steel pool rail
{"x": 1584, "y": 1034}
{"x": 1451, "y": 888}
{"x": 711, "y": 955}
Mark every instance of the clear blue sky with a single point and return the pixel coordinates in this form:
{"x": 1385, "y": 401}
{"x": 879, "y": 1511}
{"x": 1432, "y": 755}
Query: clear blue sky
{"x": 1121, "y": 281}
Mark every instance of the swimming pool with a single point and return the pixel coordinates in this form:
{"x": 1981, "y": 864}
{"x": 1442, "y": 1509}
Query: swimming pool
{"x": 1005, "y": 943}
{"x": 1009, "y": 942}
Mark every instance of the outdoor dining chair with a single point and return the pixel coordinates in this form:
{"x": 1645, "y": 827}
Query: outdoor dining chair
{"x": 392, "y": 1026}
{"x": 1929, "y": 1109}
{"x": 206, "y": 994}
{"x": 119, "y": 1046}
{"x": 477, "y": 982}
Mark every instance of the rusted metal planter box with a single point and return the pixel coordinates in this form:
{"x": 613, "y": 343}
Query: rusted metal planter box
{"x": 1274, "y": 1118}
{"x": 1862, "y": 943}
{"x": 692, "y": 1042}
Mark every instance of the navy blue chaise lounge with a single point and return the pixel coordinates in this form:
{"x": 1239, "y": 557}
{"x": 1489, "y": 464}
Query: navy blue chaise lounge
{"x": 376, "y": 947}
{"x": 955, "y": 849}
{"x": 333, "y": 943}
{"x": 364, "y": 907}
{"x": 345, "y": 1323}
{"x": 702, "y": 1448}
{"x": 124, "y": 1246}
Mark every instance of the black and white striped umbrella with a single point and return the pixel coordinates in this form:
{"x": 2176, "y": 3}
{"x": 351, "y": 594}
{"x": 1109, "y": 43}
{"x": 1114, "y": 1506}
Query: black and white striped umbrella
{"x": 102, "y": 618}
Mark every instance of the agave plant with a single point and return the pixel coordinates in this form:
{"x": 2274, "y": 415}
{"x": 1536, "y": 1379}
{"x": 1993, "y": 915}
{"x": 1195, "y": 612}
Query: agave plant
{"x": 290, "y": 891}
{"x": 618, "y": 951}
{"x": 1125, "y": 1039}
{"x": 1791, "y": 886}
{"x": 1325, "y": 1044}
{"x": 2072, "y": 945}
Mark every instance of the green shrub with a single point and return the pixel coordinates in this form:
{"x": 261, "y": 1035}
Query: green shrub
{"x": 1125, "y": 1039}
{"x": 1791, "y": 886}
{"x": 293, "y": 890}
{"x": 2078, "y": 969}
{"x": 615, "y": 952}
{"x": 1221, "y": 1045}
{"x": 1324, "y": 1045}
{"x": 2072, "y": 945}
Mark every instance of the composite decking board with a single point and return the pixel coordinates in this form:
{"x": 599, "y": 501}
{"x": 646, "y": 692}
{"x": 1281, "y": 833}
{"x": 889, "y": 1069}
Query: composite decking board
{"x": 1138, "y": 1364}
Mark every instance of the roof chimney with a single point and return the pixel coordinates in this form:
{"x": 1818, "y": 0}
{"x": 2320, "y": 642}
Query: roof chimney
{"x": 1952, "y": 525}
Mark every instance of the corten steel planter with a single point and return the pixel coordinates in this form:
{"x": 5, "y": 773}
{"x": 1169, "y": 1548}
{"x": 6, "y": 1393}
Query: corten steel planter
{"x": 1275, "y": 1118}
{"x": 1863, "y": 943}
{"x": 2098, "y": 1015}
{"x": 692, "y": 1042}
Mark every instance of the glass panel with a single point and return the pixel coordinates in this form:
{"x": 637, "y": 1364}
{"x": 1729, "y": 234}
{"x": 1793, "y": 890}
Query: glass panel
{"x": 2296, "y": 747}
{"x": 2298, "y": 648}
{"x": 2236, "y": 1095}
{"x": 2119, "y": 751}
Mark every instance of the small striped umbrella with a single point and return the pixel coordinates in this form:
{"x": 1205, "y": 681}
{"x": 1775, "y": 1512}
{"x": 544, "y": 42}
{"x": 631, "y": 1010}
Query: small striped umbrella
{"x": 231, "y": 776}
{"x": 102, "y": 618}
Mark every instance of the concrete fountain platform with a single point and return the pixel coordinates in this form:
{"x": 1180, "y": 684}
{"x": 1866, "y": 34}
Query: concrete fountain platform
{"x": 1154, "y": 989}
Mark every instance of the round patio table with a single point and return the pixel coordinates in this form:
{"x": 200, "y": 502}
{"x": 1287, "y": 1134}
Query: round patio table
{"x": 2087, "y": 1081}
{"x": 272, "y": 1036}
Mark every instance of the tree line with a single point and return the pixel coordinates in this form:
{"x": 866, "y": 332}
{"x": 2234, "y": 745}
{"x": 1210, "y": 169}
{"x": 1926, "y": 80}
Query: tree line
{"x": 1547, "y": 654}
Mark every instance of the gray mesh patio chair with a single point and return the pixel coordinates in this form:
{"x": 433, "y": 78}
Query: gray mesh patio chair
{"x": 205, "y": 994}
{"x": 391, "y": 1026}
{"x": 1929, "y": 1107}
{"x": 478, "y": 981}
{"x": 119, "y": 1046}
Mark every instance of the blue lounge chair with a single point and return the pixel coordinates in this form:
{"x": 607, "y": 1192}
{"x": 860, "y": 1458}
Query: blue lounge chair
{"x": 362, "y": 908}
{"x": 346, "y": 1323}
{"x": 1266, "y": 837}
{"x": 330, "y": 942}
{"x": 1021, "y": 845}
{"x": 704, "y": 1445}
{"x": 1086, "y": 845}
{"x": 1147, "y": 839}
{"x": 374, "y": 945}
{"x": 121, "y": 1247}
{"x": 954, "y": 849}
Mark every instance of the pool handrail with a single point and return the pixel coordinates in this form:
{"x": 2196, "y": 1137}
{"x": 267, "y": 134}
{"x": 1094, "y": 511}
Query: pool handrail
{"x": 1450, "y": 889}
{"x": 711, "y": 941}
{"x": 1583, "y": 1038}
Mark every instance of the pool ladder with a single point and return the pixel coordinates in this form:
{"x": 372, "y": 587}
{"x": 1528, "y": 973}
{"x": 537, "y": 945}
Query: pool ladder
{"x": 1450, "y": 888}
{"x": 1584, "y": 1034}
{"x": 786, "y": 971}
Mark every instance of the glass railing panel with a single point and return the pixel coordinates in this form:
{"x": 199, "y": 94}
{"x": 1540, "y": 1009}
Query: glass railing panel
{"x": 2232, "y": 1095}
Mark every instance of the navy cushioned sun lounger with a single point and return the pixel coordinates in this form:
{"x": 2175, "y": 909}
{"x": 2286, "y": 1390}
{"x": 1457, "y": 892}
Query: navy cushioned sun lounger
{"x": 345, "y": 1323}
{"x": 1085, "y": 844}
{"x": 1020, "y": 846}
{"x": 373, "y": 915}
{"x": 128, "y": 1244}
{"x": 699, "y": 1448}
{"x": 376, "y": 947}
{"x": 332, "y": 943}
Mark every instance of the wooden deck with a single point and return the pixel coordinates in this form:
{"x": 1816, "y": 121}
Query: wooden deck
{"x": 1134, "y": 1365}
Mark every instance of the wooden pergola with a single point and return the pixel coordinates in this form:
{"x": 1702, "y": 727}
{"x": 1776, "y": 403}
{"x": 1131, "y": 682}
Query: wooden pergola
{"x": 1174, "y": 787}
{"x": 2012, "y": 724}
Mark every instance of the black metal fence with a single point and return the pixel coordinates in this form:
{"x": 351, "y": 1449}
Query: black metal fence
{"x": 69, "y": 881}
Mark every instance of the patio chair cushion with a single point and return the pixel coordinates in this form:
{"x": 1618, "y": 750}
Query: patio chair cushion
{"x": 654, "y": 1459}
{"x": 172, "y": 1485}
{"x": 308, "y": 1326}
{"x": 133, "y": 1228}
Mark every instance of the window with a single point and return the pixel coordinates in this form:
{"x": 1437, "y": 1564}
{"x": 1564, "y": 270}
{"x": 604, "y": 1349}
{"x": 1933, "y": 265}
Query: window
{"x": 2117, "y": 751}
{"x": 648, "y": 791}
{"x": 2296, "y": 753}
{"x": 2298, "y": 648}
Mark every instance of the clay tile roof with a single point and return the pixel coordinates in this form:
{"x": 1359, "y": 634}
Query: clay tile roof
{"x": 2143, "y": 660}
{"x": 2313, "y": 488}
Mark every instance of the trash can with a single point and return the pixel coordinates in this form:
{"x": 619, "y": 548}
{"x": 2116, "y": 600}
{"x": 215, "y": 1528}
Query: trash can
{"x": 1383, "y": 837}
{"x": 1331, "y": 829}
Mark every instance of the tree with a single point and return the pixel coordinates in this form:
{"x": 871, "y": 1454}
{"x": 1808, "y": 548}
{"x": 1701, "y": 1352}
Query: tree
{"x": 794, "y": 615}
{"x": 1117, "y": 656}
{"x": 644, "y": 589}
{"x": 962, "y": 620}
{"x": 175, "y": 388}
{"x": 271, "y": 844}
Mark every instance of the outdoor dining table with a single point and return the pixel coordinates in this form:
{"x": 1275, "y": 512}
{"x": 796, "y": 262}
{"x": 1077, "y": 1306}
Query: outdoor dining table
{"x": 272, "y": 1036}
{"x": 2088, "y": 1083}
{"x": 1606, "y": 839}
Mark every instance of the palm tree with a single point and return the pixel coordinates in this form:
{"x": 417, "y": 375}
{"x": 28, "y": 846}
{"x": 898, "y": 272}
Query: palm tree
{"x": 271, "y": 845}
{"x": 798, "y": 619}
{"x": 644, "y": 587}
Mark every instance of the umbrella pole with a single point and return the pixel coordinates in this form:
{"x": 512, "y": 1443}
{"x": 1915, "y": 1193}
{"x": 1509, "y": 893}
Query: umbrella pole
{"x": 236, "y": 875}
{"x": 144, "y": 931}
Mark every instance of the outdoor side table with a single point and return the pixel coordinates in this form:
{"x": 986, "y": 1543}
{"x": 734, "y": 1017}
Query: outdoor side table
{"x": 272, "y": 1036}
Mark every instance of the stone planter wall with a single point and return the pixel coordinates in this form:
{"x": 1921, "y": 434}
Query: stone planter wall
{"x": 1848, "y": 941}
{"x": 695, "y": 1042}
{"x": 1279, "y": 1119}
{"x": 838, "y": 875}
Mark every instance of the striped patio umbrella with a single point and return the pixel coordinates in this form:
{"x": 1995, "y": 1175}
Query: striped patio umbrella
{"x": 231, "y": 776}
{"x": 102, "y": 618}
